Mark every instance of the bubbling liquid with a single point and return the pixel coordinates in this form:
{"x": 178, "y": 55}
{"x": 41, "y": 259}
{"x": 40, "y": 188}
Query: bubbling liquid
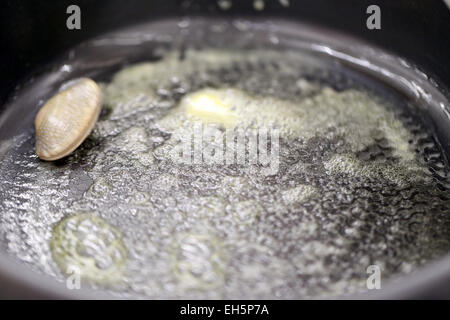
{"x": 361, "y": 181}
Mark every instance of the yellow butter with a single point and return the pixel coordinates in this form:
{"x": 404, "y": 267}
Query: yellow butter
{"x": 207, "y": 106}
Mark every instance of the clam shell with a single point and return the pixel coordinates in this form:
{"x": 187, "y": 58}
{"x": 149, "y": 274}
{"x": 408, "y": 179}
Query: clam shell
{"x": 65, "y": 121}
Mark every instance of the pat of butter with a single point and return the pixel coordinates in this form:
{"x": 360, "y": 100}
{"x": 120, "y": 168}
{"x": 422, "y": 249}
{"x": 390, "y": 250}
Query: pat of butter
{"x": 207, "y": 106}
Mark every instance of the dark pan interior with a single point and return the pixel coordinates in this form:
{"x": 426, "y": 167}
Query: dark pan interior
{"x": 34, "y": 34}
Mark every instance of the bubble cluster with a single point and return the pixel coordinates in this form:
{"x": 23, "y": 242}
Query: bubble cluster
{"x": 87, "y": 245}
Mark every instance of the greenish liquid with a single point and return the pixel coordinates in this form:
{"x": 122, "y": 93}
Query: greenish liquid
{"x": 360, "y": 182}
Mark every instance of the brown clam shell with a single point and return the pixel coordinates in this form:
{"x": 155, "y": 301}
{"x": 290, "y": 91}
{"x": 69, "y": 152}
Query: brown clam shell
{"x": 65, "y": 121}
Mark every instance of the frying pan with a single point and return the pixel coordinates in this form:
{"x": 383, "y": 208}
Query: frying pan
{"x": 33, "y": 34}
